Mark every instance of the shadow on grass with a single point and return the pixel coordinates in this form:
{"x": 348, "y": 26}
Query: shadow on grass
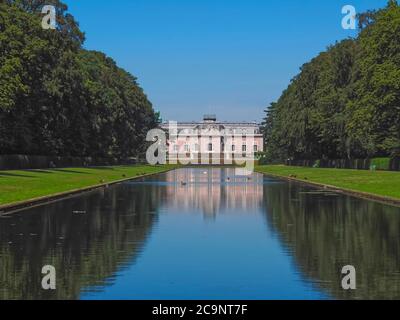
{"x": 70, "y": 171}
{"x": 38, "y": 171}
{"x": 14, "y": 175}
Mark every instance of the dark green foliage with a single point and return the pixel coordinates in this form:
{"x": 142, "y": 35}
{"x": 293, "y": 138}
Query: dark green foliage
{"x": 345, "y": 103}
{"x": 57, "y": 98}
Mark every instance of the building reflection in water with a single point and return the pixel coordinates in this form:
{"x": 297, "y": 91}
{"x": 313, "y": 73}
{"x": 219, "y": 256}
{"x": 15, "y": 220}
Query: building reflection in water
{"x": 212, "y": 191}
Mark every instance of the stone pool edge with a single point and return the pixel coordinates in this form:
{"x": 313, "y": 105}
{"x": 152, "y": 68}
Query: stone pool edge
{"x": 359, "y": 194}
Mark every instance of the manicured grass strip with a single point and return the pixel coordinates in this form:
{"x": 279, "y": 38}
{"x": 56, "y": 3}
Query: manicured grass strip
{"x": 381, "y": 183}
{"x": 16, "y": 186}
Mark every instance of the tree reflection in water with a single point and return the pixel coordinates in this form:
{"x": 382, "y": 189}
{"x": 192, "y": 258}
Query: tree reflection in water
{"x": 325, "y": 231}
{"x": 87, "y": 249}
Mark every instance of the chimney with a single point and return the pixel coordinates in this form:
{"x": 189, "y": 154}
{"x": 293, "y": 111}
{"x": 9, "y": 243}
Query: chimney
{"x": 210, "y": 118}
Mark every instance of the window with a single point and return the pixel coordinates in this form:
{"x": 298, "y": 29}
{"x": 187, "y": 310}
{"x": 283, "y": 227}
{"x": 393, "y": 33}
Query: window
{"x": 255, "y": 148}
{"x": 186, "y": 148}
{"x": 210, "y": 147}
{"x": 233, "y": 148}
{"x": 196, "y": 148}
{"x": 244, "y": 148}
{"x": 176, "y": 148}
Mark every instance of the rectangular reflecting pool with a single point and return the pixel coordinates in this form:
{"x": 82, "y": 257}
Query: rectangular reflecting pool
{"x": 197, "y": 233}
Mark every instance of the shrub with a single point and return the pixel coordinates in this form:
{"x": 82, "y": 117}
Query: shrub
{"x": 317, "y": 164}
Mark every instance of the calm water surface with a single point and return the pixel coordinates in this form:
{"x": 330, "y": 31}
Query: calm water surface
{"x": 216, "y": 236}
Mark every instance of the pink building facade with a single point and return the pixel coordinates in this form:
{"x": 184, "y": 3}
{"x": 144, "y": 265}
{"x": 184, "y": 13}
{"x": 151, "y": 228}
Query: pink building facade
{"x": 213, "y": 141}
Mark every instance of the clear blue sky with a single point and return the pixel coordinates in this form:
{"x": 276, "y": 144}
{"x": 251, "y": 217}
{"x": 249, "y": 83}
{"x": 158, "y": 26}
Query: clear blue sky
{"x": 228, "y": 57}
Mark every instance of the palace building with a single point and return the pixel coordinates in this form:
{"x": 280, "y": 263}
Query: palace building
{"x": 213, "y": 140}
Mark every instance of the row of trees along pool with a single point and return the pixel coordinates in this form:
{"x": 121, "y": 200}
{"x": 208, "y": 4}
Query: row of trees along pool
{"x": 345, "y": 103}
{"x": 57, "y": 98}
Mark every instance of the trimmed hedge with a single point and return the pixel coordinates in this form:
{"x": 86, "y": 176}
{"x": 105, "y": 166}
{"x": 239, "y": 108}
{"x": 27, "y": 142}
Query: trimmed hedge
{"x": 381, "y": 163}
{"x": 395, "y": 164}
{"x": 21, "y": 162}
{"x": 386, "y": 164}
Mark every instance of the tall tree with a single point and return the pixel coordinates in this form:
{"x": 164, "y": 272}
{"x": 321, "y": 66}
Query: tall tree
{"x": 345, "y": 103}
{"x": 57, "y": 98}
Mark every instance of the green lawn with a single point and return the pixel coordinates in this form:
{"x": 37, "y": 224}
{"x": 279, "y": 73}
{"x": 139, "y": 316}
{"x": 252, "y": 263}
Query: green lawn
{"x": 16, "y": 186}
{"x": 382, "y": 183}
